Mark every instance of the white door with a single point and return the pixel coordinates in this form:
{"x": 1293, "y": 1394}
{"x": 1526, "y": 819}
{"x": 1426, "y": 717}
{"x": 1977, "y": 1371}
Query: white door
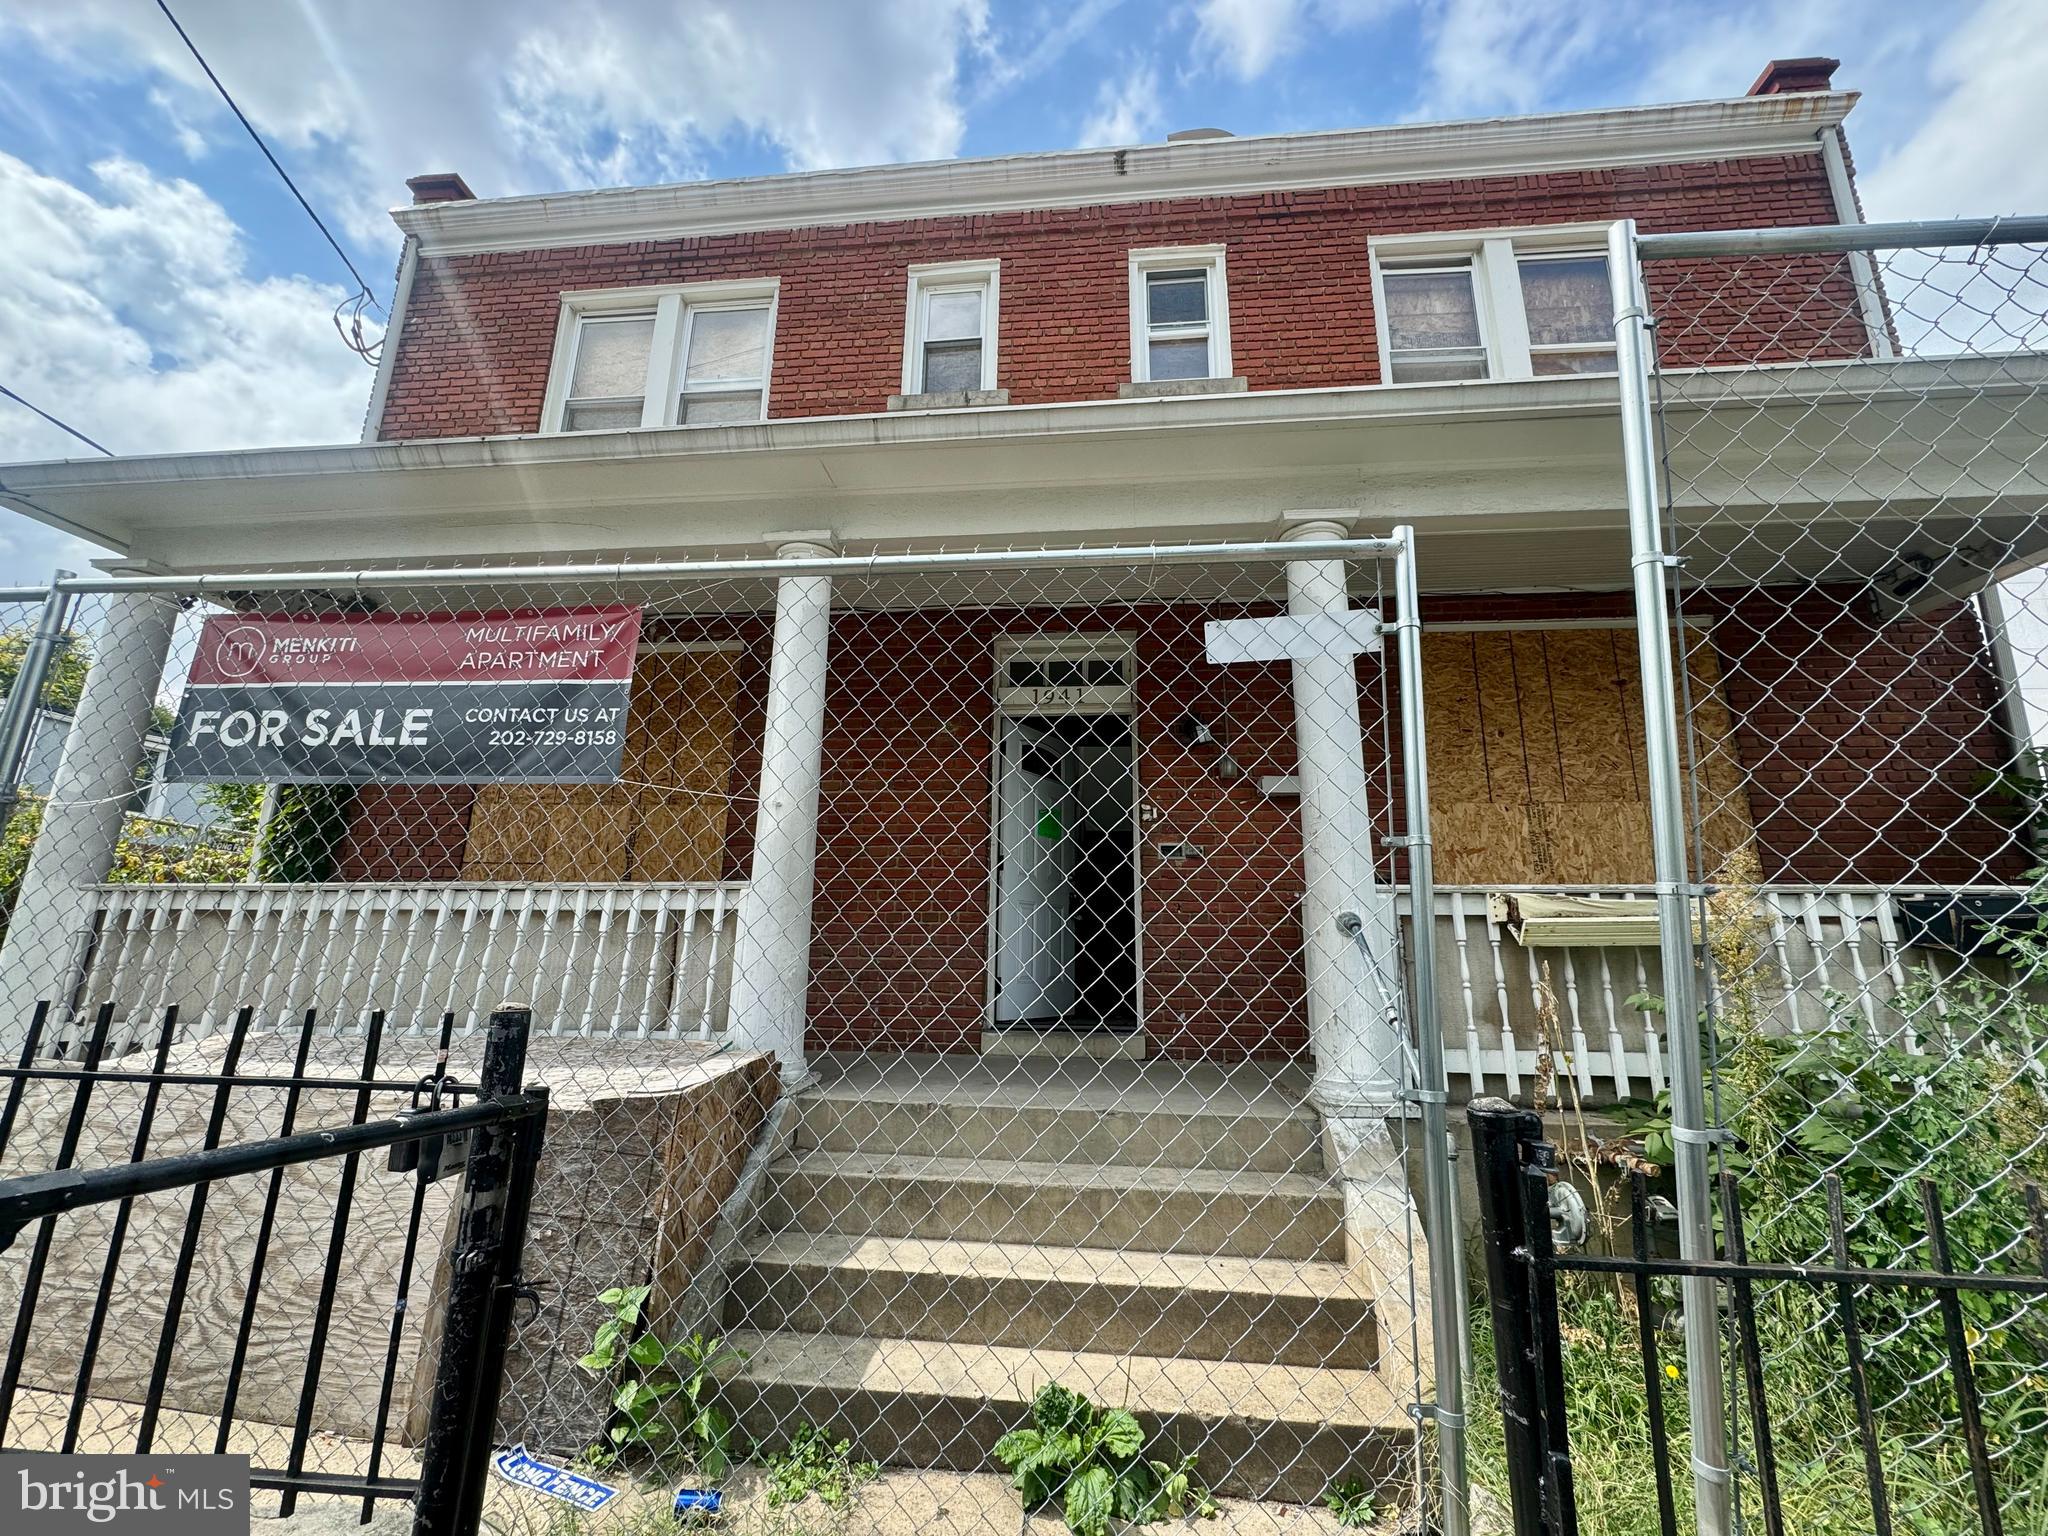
{"x": 1034, "y": 858}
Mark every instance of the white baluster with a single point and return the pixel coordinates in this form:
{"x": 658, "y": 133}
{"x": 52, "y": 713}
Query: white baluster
{"x": 1510, "y": 1047}
{"x": 1475, "y": 1064}
{"x": 713, "y": 938}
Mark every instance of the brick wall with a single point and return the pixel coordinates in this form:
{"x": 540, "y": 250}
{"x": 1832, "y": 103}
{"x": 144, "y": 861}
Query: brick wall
{"x": 1866, "y": 744}
{"x": 479, "y": 330}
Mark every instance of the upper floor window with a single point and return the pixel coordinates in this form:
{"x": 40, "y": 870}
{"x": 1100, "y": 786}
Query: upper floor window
{"x": 696, "y": 355}
{"x": 949, "y": 334}
{"x": 1180, "y": 315}
{"x": 1513, "y": 305}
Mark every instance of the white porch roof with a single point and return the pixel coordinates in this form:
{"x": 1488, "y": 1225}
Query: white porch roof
{"x": 1513, "y": 485}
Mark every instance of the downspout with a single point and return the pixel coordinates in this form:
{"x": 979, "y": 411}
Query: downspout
{"x": 387, "y": 359}
{"x": 1862, "y": 270}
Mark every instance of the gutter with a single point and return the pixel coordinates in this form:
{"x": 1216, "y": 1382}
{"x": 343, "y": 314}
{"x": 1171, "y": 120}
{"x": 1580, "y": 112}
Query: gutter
{"x": 387, "y": 359}
{"x": 1407, "y": 152}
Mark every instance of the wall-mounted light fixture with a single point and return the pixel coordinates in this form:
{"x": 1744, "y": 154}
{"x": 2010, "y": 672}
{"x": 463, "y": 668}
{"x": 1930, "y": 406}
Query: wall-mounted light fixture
{"x": 1194, "y": 733}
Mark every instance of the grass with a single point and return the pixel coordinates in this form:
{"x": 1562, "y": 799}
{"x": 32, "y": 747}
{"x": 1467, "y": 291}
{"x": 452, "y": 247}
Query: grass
{"x": 1822, "y": 1488}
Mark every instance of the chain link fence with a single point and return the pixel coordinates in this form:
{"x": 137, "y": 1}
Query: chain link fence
{"x": 970, "y": 988}
{"x": 1851, "y": 435}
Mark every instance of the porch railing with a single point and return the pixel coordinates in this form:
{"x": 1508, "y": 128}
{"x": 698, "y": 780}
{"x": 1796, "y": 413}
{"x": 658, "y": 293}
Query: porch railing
{"x": 631, "y": 961}
{"x": 1836, "y": 956}
{"x": 645, "y": 961}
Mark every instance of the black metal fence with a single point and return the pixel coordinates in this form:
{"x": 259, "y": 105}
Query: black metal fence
{"x": 1517, "y": 1170}
{"x": 493, "y": 1141}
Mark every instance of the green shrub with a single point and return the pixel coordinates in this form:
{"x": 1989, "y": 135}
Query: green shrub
{"x": 666, "y": 1406}
{"x": 1094, "y": 1462}
{"x": 812, "y": 1464}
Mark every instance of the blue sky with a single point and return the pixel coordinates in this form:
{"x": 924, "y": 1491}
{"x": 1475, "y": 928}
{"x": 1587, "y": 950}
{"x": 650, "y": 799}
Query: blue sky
{"x": 159, "y": 289}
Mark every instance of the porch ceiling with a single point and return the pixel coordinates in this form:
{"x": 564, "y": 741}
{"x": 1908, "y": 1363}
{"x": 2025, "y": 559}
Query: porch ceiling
{"x": 1513, "y": 484}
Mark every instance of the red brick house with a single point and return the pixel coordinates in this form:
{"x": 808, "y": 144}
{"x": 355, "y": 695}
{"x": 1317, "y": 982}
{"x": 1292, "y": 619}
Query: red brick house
{"x": 904, "y": 823}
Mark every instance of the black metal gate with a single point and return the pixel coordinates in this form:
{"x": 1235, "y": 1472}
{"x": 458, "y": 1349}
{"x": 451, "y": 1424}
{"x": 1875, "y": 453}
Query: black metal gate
{"x": 1517, "y": 1170}
{"x": 493, "y": 1140}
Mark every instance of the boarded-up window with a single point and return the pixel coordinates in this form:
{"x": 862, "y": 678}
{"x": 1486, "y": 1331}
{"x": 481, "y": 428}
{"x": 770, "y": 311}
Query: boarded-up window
{"x": 1536, "y": 758}
{"x": 665, "y": 818}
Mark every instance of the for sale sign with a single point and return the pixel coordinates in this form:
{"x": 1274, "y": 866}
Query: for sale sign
{"x": 528, "y": 697}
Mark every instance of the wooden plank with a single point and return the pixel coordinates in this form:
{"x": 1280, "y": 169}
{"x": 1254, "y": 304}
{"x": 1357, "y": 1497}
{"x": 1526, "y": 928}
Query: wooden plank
{"x": 1724, "y": 794}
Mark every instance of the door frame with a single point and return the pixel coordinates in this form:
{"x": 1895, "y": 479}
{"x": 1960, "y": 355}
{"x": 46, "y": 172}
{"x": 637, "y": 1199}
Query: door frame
{"x": 1120, "y": 700}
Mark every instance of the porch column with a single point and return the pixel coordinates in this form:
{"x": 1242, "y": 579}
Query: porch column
{"x": 771, "y": 959}
{"x": 1357, "y": 1071}
{"x": 88, "y": 801}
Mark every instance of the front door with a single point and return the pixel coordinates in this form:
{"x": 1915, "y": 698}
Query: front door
{"x": 1065, "y": 881}
{"x": 1034, "y": 879}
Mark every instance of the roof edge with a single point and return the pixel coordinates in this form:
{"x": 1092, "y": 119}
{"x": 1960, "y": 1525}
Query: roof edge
{"x": 1744, "y": 125}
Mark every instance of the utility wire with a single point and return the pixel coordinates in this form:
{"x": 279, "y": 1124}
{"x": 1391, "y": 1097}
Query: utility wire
{"x": 285, "y": 175}
{"x": 62, "y": 426}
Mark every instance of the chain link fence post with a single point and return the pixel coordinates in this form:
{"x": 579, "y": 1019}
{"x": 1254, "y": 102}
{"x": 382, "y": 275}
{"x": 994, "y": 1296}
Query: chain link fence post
{"x": 1449, "y": 1325}
{"x": 1691, "y": 1137}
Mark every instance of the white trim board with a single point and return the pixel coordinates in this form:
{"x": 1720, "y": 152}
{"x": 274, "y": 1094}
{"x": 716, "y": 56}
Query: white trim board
{"x": 1509, "y": 146}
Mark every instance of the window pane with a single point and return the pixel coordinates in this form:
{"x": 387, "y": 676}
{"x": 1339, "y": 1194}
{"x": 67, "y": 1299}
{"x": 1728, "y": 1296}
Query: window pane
{"x": 600, "y": 418}
{"x": 711, "y": 410}
{"x": 1430, "y": 310}
{"x": 1435, "y": 368}
{"x": 952, "y": 365}
{"x": 1177, "y": 298}
{"x": 611, "y": 357}
{"x": 1592, "y": 360}
{"x": 1567, "y": 300}
{"x": 952, "y": 316}
{"x": 1187, "y": 359}
{"x": 726, "y": 344}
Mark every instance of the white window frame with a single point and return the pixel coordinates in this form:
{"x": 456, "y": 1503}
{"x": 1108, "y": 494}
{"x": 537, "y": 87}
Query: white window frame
{"x": 1495, "y": 256}
{"x": 926, "y": 278}
{"x": 1165, "y": 258}
{"x": 671, "y": 305}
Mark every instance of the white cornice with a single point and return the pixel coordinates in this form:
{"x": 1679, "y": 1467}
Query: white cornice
{"x": 1691, "y": 131}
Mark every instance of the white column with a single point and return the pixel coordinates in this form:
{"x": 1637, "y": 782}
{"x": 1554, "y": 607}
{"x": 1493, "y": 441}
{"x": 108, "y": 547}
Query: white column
{"x": 771, "y": 967}
{"x": 88, "y": 800}
{"x": 1357, "y": 1056}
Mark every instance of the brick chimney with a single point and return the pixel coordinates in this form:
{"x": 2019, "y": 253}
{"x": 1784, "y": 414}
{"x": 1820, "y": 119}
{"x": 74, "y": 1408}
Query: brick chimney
{"x": 1783, "y": 75}
{"x": 440, "y": 187}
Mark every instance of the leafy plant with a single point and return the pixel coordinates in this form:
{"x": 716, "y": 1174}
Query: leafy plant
{"x": 812, "y": 1464}
{"x": 666, "y": 1407}
{"x": 1353, "y": 1502}
{"x": 1094, "y": 1462}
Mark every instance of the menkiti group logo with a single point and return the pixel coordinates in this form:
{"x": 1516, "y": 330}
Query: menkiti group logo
{"x": 42, "y": 1495}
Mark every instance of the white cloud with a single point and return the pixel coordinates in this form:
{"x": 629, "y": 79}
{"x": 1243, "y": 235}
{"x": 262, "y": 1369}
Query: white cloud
{"x": 1978, "y": 150}
{"x": 1506, "y": 55}
{"x": 527, "y": 95}
{"x": 1126, "y": 111}
{"x": 130, "y": 312}
{"x": 1247, "y": 37}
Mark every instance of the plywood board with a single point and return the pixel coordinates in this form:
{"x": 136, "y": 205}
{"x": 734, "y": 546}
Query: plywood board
{"x": 1537, "y": 770}
{"x": 1450, "y": 697}
{"x": 665, "y": 819}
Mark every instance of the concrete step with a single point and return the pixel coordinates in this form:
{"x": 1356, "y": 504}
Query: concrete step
{"x": 1048, "y": 1130}
{"x": 1155, "y": 1210}
{"x": 1257, "y": 1311}
{"x": 1260, "y": 1431}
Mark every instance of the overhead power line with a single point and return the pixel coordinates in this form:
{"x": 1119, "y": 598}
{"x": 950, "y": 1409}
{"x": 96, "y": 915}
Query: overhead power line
{"x": 352, "y": 333}
{"x": 62, "y": 426}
